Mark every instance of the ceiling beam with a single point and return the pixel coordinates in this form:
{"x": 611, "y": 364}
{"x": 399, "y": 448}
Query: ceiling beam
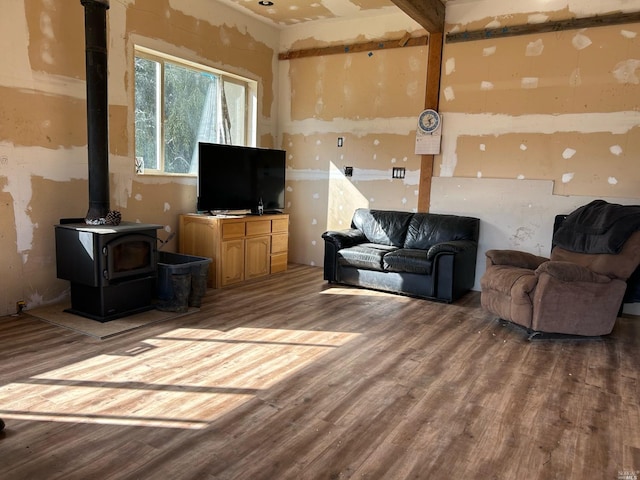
{"x": 428, "y": 13}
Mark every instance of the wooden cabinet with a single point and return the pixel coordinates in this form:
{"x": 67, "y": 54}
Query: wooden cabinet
{"x": 242, "y": 247}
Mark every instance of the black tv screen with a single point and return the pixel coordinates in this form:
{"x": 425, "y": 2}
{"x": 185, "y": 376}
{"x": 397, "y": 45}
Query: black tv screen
{"x": 232, "y": 177}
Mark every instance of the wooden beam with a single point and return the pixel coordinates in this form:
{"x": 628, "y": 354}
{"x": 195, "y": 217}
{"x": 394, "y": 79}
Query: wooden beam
{"x": 432, "y": 95}
{"x": 528, "y": 29}
{"x": 428, "y": 13}
{"x": 355, "y": 48}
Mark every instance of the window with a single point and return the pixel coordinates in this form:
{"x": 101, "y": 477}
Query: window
{"x": 180, "y": 103}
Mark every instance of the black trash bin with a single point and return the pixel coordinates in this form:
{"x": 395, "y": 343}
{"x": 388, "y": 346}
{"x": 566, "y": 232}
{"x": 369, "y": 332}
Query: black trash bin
{"x": 181, "y": 282}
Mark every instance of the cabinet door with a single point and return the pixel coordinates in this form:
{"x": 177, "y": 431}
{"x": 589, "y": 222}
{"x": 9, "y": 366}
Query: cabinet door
{"x": 232, "y": 262}
{"x": 257, "y": 257}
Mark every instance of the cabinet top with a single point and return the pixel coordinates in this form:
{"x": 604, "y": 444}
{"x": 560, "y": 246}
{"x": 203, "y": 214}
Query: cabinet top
{"x": 248, "y": 217}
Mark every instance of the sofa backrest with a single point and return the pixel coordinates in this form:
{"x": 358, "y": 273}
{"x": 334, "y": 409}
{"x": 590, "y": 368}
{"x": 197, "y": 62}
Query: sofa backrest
{"x": 384, "y": 227}
{"x": 427, "y": 229}
{"x": 619, "y": 265}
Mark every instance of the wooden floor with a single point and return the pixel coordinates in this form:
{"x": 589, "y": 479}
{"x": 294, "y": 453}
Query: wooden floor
{"x": 289, "y": 378}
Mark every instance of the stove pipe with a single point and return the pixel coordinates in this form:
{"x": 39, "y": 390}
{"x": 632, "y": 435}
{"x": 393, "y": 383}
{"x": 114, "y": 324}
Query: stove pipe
{"x": 95, "y": 27}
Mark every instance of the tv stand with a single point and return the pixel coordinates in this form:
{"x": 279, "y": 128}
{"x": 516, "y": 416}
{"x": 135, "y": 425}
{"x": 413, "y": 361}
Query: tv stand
{"x": 242, "y": 247}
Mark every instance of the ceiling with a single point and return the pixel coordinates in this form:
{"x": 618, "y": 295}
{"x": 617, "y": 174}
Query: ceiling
{"x": 284, "y": 13}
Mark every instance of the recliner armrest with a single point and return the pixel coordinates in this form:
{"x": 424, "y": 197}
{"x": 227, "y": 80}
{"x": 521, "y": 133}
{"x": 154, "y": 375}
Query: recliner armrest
{"x": 453, "y": 246}
{"x": 344, "y": 238}
{"x": 514, "y": 258}
{"x": 571, "y": 272}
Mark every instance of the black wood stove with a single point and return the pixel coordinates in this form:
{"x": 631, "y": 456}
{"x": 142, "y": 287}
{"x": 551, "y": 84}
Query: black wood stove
{"x": 112, "y": 265}
{"x": 112, "y": 269}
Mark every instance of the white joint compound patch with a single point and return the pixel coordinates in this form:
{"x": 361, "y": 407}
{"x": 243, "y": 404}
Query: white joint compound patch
{"x": 529, "y": 82}
{"x": 534, "y": 49}
{"x": 567, "y": 177}
{"x": 537, "y": 18}
{"x": 488, "y": 51}
{"x": 628, "y": 34}
{"x": 615, "y": 149}
{"x": 625, "y": 71}
{"x": 450, "y": 66}
{"x": 612, "y": 180}
{"x": 486, "y": 85}
{"x": 448, "y": 94}
{"x": 568, "y": 153}
{"x": 581, "y": 41}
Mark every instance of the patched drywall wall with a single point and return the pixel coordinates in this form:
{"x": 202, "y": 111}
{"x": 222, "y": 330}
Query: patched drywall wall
{"x": 560, "y": 106}
{"x": 514, "y": 214}
{"x": 43, "y": 146}
{"x": 367, "y": 101}
{"x": 558, "y": 111}
{"x": 539, "y": 124}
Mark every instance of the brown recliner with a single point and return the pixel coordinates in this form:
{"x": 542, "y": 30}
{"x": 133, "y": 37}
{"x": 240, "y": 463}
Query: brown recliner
{"x": 571, "y": 293}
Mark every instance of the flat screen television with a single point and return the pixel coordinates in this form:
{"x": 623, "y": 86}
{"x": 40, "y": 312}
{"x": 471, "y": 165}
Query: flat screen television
{"x": 236, "y": 178}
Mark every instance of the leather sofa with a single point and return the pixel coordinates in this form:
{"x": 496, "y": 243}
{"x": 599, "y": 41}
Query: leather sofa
{"x": 419, "y": 254}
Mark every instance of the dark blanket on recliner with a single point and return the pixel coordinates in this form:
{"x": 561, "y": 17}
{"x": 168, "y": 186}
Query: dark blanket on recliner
{"x": 598, "y": 227}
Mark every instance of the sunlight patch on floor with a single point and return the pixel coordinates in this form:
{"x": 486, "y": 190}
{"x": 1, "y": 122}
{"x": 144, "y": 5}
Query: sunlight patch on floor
{"x": 362, "y": 292}
{"x": 184, "y": 378}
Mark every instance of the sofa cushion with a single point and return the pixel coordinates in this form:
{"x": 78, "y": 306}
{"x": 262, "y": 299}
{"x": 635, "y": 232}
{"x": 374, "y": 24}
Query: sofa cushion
{"x": 365, "y": 255}
{"x": 381, "y": 226}
{"x": 427, "y": 229}
{"x": 408, "y": 260}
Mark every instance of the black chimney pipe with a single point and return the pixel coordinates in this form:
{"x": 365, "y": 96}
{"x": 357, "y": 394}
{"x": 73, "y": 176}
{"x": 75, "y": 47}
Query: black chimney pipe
{"x": 95, "y": 31}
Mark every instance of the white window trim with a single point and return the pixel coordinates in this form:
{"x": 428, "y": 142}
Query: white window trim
{"x": 251, "y": 100}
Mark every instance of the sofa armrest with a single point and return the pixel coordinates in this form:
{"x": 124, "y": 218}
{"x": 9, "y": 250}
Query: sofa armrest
{"x": 514, "y": 258}
{"x": 344, "y": 238}
{"x": 453, "y": 246}
{"x": 571, "y": 272}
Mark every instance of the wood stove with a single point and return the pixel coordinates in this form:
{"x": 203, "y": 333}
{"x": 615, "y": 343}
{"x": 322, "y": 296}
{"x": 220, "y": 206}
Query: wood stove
{"x": 112, "y": 268}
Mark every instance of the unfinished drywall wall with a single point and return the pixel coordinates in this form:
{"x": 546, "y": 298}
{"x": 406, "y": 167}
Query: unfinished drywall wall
{"x": 514, "y": 214}
{"x": 536, "y": 125}
{"x": 561, "y": 106}
{"x": 367, "y": 101}
{"x": 43, "y": 152}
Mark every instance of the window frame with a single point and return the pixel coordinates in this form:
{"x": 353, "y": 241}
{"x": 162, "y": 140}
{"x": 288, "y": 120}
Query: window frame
{"x": 250, "y": 113}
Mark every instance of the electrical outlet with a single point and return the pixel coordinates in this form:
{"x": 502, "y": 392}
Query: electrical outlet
{"x": 20, "y": 305}
{"x": 348, "y": 171}
{"x": 340, "y": 141}
{"x": 398, "y": 172}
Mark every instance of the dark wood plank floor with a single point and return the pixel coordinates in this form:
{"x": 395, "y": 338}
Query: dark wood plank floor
{"x": 289, "y": 378}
